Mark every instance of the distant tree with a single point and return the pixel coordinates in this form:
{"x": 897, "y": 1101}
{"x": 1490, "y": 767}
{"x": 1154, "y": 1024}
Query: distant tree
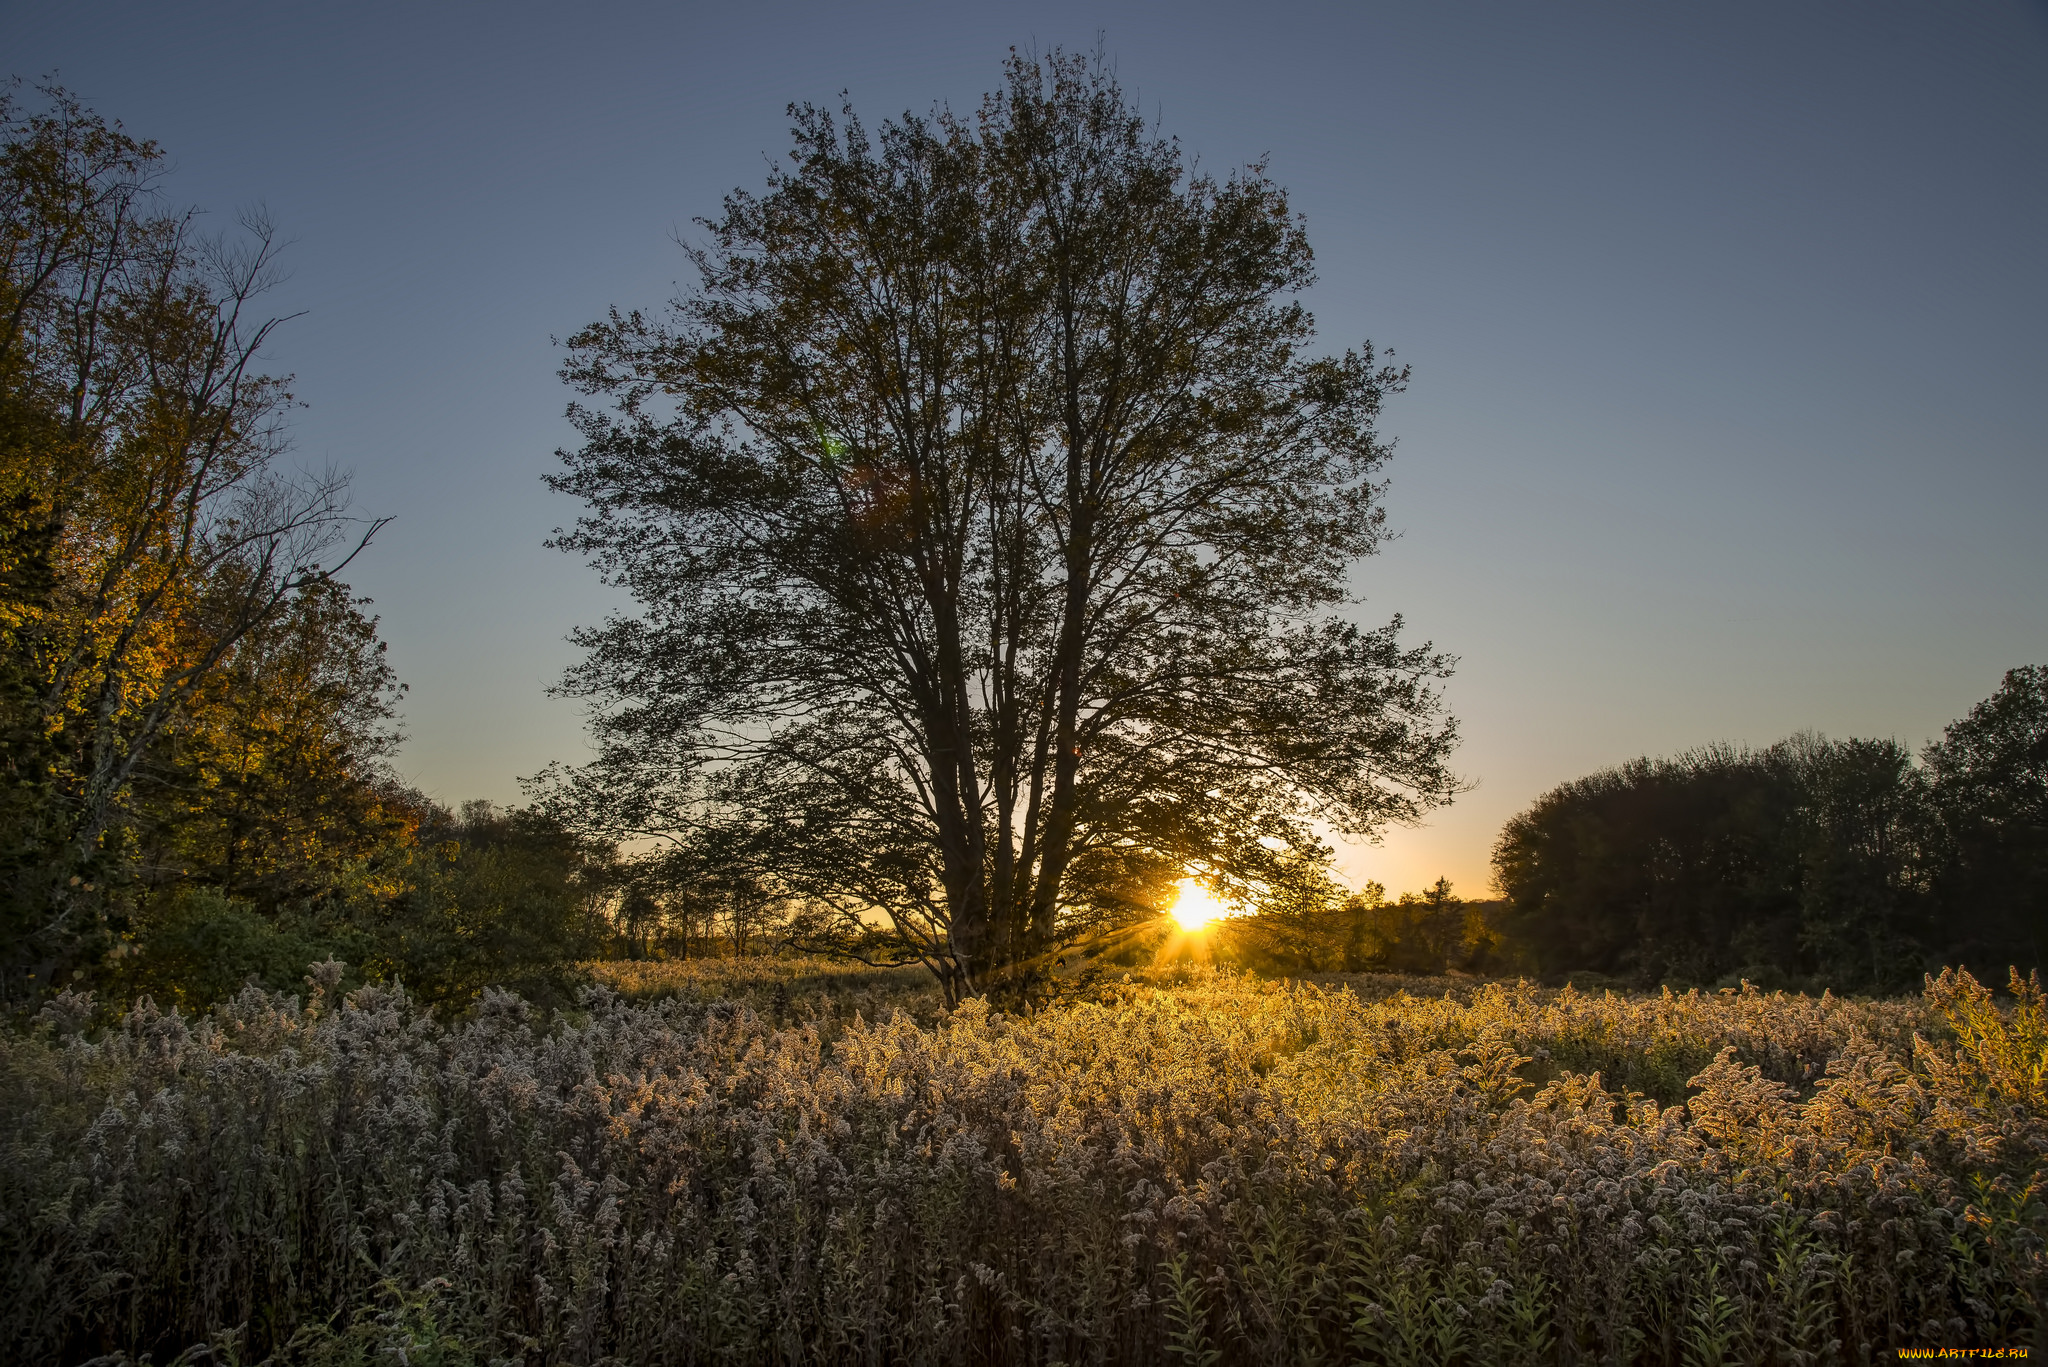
{"x": 642, "y": 921}
{"x": 1989, "y": 774}
{"x": 1841, "y": 863}
{"x": 1321, "y": 928}
{"x": 1362, "y": 946}
{"x": 1293, "y": 921}
{"x": 691, "y": 905}
{"x": 1863, "y": 867}
{"x": 1797, "y": 861}
{"x": 986, "y": 514}
{"x": 145, "y": 529}
{"x": 481, "y": 898}
{"x": 1437, "y": 930}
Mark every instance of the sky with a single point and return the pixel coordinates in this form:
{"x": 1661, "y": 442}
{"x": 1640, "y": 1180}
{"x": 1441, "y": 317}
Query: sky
{"x": 1729, "y": 414}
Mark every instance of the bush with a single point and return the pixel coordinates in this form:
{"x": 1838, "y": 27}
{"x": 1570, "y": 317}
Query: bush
{"x": 488, "y": 899}
{"x": 475, "y": 900}
{"x": 202, "y": 946}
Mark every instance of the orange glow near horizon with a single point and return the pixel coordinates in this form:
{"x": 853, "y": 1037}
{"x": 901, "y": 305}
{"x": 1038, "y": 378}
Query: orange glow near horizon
{"x": 1195, "y": 907}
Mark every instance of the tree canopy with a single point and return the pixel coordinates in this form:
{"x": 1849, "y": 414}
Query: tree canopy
{"x": 988, "y": 518}
{"x": 1989, "y": 772}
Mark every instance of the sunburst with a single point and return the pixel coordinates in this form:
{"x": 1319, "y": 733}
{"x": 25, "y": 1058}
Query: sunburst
{"x": 1196, "y": 907}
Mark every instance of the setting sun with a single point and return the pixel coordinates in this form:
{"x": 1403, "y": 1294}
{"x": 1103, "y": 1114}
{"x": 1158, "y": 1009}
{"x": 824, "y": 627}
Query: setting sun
{"x": 1195, "y": 907}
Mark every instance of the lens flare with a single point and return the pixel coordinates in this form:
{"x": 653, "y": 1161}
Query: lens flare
{"x": 1195, "y": 908}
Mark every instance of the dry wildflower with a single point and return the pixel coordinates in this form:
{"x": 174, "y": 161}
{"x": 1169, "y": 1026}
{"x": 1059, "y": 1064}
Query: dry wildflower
{"x": 1212, "y": 1170}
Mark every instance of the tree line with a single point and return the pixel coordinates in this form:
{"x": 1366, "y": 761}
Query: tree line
{"x": 196, "y": 712}
{"x": 1813, "y": 862}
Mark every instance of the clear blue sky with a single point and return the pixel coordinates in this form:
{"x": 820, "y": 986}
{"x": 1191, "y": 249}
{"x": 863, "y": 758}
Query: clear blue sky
{"x": 1729, "y": 322}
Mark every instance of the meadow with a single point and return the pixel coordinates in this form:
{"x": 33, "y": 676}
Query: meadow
{"x": 788, "y": 1161}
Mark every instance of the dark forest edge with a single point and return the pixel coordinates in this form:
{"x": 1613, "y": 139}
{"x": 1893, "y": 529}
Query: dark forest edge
{"x": 1811, "y": 863}
{"x": 196, "y": 713}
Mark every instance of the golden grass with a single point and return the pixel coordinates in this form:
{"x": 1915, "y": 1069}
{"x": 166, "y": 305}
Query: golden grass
{"x": 1202, "y": 1166}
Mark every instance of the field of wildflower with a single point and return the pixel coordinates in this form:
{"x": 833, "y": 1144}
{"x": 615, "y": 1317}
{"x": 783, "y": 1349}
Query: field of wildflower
{"x": 764, "y": 1163}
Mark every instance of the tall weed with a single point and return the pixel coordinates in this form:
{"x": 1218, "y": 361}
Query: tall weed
{"x": 1220, "y": 1170}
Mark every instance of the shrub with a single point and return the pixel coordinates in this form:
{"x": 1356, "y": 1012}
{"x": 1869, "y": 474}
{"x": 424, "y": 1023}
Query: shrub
{"x": 201, "y": 946}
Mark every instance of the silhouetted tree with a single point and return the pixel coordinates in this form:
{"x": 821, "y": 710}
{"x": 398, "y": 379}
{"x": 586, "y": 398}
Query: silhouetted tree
{"x": 1652, "y": 870}
{"x": 1842, "y": 863}
{"x": 1863, "y": 867}
{"x": 1989, "y": 776}
{"x": 985, "y": 511}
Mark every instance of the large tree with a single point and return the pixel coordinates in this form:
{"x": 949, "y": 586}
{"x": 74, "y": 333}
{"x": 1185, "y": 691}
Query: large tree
{"x": 989, "y": 521}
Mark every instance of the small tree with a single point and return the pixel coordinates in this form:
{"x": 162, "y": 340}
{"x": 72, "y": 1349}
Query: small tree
{"x": 986, "y": 513}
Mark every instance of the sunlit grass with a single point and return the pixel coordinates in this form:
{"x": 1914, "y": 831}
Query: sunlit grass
{"x": 719, "y": 1160}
